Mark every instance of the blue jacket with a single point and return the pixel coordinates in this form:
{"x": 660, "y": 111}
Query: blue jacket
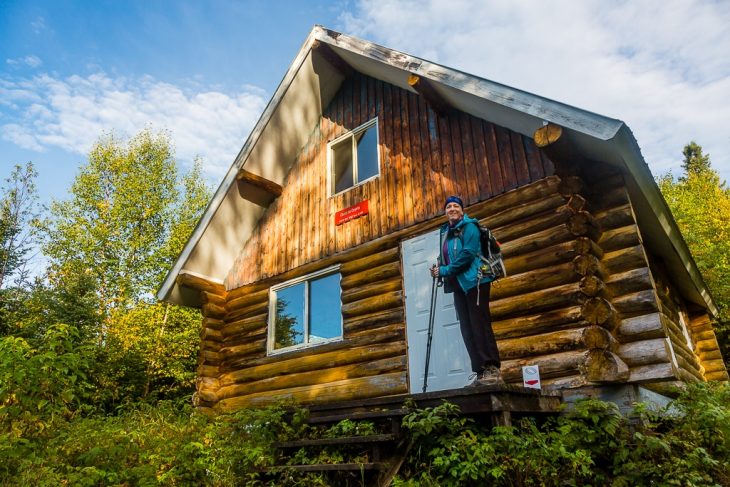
{"x": 463, "y": 249}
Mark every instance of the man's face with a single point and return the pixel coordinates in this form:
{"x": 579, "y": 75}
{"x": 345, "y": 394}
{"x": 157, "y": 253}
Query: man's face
{"x": 454, "y": 212}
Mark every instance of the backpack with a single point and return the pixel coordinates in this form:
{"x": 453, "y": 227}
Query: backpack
{"x": 492, "y": 266}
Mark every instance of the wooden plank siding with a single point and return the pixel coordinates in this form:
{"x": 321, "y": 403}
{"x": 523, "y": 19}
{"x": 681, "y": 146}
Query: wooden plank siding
{"x": 423, "y": 158}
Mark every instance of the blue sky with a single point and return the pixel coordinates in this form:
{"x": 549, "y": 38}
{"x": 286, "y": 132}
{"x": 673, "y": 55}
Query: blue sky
{"x": 204, "y": 71}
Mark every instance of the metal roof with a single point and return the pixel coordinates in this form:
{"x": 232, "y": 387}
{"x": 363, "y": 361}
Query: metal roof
{"x": 309, "y": 85}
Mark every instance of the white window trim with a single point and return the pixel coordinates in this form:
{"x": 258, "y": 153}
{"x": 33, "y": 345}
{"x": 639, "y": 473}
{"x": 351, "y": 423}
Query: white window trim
{"x": 271, "y": 322}
{"x": 351, "y": 134}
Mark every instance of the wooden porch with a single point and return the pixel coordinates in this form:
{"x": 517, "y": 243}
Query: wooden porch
{"x": 379, "y": 456}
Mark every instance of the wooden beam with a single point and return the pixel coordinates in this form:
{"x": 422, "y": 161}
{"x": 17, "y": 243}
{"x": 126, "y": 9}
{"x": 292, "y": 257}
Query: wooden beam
{"x": 262, "y": 183}
{"x": 333, "y": 58}
{"x": 427, "y": 91}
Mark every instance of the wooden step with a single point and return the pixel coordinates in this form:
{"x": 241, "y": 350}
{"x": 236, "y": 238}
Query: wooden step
{"x": 349, "y": 440}
{"x": 359, "y": 415}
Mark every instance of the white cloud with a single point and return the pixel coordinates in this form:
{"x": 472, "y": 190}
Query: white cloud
{"x": 30, "y": 61}
{"x": 72, "y": 113}
{"x": 663, "y": 67}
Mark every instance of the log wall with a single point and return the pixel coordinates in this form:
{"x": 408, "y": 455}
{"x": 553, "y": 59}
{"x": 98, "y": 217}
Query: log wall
{"x": 424, "y": 157}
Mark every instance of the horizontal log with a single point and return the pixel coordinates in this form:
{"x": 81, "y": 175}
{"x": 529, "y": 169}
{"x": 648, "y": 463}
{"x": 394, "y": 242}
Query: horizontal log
{"x": 211, "y": 310}
{"x": 358, "y": 293}
{"x": 605, "y": 366}
{"x": 641, "y": 327}
{"x": 562, "y": 383}
{"x": 706, "y": 345}
{"x": 253, "y": 309}
{"x": 345, "y": 345}
{"x": 368, "y": 276}
{"x": 522, "y": 210}
{"x": 549, "y": 256}
{"x": 619, "y": 238}
{"x": 200, "y": 284}
{"x": 652, "y": 373}
{"x": 613, "y": 197}
{"x": 211, "y": 345}
{"x": 245, "y": 326}
{"x": 373, "y": 304}
{"x": 400, "y": 327}
{"x": 238, "y": 351}
{"x": 315, "y": 377}
{"x": 370, "y": 261}
{"x": 373, "y": 320}
{"x": 207, "y": 371}
{"x": 551, "y": 366}
{"x": 246, "y": 300}
{"x": 720, "y": 376}
{"x": 700, "y": 322}
{"x": 211, "y": 334}
{"x": 517, "y": 284}
{"x": 710, "y": 355}
{"x": 536, "y": 223}
{"x": 714, "y": 365}
{"x": 519, "y": 196}
{"x": 208, "y": 396}
{"x": 210, "y": 383}
{"x": 547, "y": 134}
{"x": 558, "y": 341}
{"x": 624, "y": 259}
{"x": 543, "y": 300}
{"x": 236, "y": 340}
{"x": 247, "y": 290}
{"x": 634, "y": 304}
{"x": 619, "y": 216}
{"x": 260, "y": 182}
{"x": 209, "y": 357}
{"x": 315, "y": 361}
{"x": 538, "y": 323}
{"x": 645, "y": 352}
{"x": 213, "y": 323}
{"x": 537, "y": 241}
{"x": 629, "y": 282}
{"x": 346, "y": 390}
{"x": 688, "y": 368}
{"x": 210, "y": 298}
{"x": 704, "y": 335}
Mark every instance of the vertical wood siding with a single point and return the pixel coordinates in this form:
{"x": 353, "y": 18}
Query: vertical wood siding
{"x": 423, "y": 158}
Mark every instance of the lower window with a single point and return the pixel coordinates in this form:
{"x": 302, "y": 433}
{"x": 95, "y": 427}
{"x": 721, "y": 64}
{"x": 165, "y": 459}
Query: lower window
{"x": 305, "y": 311}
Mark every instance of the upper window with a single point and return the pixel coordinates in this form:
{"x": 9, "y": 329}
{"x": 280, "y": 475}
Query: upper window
{"x": 354, "y": 157}
{"x": 305, "y": 311}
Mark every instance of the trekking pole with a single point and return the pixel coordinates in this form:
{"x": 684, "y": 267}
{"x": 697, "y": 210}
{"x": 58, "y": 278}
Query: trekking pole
{"x": 431, "y": 317}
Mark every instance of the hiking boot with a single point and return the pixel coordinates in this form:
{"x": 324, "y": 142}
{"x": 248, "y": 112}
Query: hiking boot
{"x": 473, "y": 380}
{"x": 490, "y": 376}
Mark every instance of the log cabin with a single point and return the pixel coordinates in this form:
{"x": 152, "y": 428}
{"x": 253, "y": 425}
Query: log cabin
{"x": 310, "y": 262}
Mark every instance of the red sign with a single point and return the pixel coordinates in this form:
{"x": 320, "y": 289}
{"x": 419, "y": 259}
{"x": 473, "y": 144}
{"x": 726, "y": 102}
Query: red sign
{"x": 351, "y": 213}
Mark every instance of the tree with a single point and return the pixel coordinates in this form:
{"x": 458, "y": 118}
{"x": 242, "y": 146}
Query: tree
{"x": 695, "y": 162}
{"x": 127, "y": 219}
{"x": 700, "y": 203}
{"x": 18, "y": 212}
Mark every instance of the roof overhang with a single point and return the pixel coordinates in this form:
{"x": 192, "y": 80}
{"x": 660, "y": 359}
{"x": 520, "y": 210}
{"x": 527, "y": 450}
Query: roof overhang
{"x": 312, "y": 81}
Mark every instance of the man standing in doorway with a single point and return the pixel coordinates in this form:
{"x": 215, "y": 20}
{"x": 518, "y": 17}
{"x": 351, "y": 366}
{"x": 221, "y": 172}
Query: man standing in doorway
{"x": 459, "y": 264}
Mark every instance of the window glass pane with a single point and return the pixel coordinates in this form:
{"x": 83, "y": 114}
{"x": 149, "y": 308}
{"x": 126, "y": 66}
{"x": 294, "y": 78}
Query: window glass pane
{"x": 367, "y": 153}
{"x": 289, "y": 328}
{"x": 342, "y": 161}
{"x": 325, "y": 308}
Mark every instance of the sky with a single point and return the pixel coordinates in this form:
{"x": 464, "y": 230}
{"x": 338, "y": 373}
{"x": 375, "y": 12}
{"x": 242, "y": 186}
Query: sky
{"x": 203, "y": 71}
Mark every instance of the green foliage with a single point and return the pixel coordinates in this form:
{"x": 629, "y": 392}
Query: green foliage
{"x": 700, "y": 203}
{"x": 592, "y": 444}
{"x": 18, "y": 212}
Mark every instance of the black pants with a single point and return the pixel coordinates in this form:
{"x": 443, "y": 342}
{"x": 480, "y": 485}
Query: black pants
{"x": 476, "y": 326}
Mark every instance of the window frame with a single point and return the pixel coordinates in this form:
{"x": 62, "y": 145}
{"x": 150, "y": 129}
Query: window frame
{"x": 352, "y": 135}
{"x": 271, "y": 321}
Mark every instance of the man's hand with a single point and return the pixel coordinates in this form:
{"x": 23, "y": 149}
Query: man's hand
{"x": 434, "y": 271}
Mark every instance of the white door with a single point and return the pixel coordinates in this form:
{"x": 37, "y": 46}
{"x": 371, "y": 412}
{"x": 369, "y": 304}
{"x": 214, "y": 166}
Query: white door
{"x": 449, "y": 366}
